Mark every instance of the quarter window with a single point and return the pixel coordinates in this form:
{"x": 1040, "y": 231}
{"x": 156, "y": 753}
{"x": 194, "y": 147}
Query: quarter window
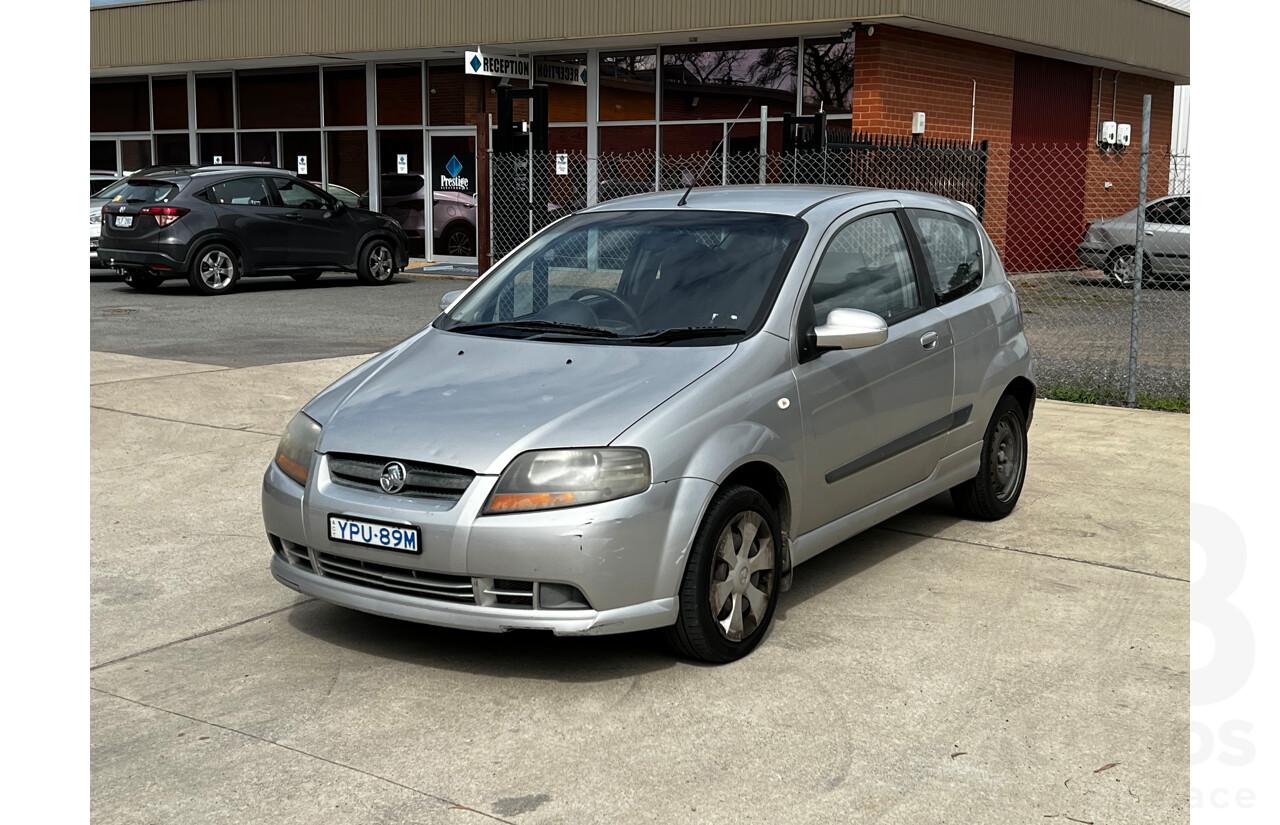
{"x": 866, "y": 266}
{"x": 241, "y": 192}
{"x": 952, "y": 251}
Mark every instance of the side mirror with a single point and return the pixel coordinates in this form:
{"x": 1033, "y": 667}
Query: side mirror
{"x": 449, "y": 298}
{"x": 851, "y": 329}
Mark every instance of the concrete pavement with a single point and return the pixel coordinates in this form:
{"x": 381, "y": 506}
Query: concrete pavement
{"x": 929, "y": 670}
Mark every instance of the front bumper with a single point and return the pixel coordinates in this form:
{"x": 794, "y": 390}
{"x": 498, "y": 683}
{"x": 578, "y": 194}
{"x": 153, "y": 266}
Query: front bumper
{"x": 625, "y": 556}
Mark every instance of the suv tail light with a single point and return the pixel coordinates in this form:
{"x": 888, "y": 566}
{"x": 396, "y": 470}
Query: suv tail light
{"x": 164, "y": 215}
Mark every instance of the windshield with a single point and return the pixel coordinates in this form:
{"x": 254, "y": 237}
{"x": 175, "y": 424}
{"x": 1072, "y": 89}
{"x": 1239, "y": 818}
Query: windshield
{"x": 636, "y": 278}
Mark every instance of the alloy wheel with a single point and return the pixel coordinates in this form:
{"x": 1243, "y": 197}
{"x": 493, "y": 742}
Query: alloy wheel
{"x": 380, "y": 263}
{"x": 217, "y": 269}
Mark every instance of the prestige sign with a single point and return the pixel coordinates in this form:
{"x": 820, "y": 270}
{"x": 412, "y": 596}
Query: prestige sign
{"x": 497, "y": 65}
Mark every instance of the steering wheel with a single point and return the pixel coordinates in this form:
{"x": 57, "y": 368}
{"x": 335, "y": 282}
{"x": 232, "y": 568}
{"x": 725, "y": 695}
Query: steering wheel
{"x": 612, "y": 298}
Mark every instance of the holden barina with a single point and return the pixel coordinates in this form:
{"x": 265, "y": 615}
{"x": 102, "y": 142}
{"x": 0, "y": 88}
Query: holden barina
{"x": 213, "y": 225}
{"x": 647, "y": 415}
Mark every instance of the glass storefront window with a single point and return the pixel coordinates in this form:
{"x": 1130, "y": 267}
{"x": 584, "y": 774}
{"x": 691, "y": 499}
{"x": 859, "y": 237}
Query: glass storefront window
{"x": 566, "y": 99}
{"x": 215, "y": 102}
{"x": 453, "y": 98}
{"x": 400, "y": 94}
{"x": 279, "y": 98}
{"x": 402, "y": 183}
{"x": 344, "y": 97}
{"x": 453, "y": 195}
{"x": 298, "y": 145}
{"x": 102, "y": 155}
{"x": 119, "y": 106}
{"x": 173, "y": 148}
{"x": 715, "y": 81}
{"x": 627, "y": 85}
{"x": 349, "y": 164}
{"x": 828, "y": 76}
{"x": 213, "y": 145}
{"x": 135, "y": 154}
{"x": 257, "y": 149}
{"x": 169, "y": 102}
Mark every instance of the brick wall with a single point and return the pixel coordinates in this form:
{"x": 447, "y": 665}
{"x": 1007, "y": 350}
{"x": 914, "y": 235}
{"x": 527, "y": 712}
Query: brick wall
{"x": 1120, "y": 169}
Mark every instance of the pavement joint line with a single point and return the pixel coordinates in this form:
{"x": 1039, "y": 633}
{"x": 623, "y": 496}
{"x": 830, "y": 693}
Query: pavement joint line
{"x": 156, "y": 377}
{"x": 169, "y": 458}
{"x": 986, "y": 546}
{"x": 452, "y": 805}
{"x": 199, "y": 635}
{"x": 179, "y": 421}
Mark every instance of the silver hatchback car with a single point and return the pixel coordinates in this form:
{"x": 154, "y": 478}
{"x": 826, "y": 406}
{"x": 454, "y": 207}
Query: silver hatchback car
{"x": 650, "y": 412}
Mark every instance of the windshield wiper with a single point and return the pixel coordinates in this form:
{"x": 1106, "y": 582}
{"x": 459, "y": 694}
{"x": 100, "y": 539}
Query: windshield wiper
{"x": 663, "y": 336}
{"x": 537, "y": 325}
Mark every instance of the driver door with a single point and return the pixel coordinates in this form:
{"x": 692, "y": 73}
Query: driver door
{"x": 874, "y": 418}
{"x": 320, "y": 234}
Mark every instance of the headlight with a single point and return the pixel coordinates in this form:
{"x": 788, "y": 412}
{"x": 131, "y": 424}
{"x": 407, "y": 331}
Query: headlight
{"x": 95, "y": 217}
{"x": 548, "y": 479}
{"x": 297, "y": 448}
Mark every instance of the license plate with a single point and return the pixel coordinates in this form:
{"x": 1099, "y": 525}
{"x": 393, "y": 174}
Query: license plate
{"x": 399, "y": 537}
{"x": 124, "y": 221}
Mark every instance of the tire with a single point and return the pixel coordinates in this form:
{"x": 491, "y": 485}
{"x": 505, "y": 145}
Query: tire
{"x": 1119, "y": 267}
{"x": 215, "y": 270}
{"x": 737, "y": 626}
{"x": 377, "y": 263}
{"x": 459, "y": 239}
{"x": 994, "y": 491}
{"x": 143, "y": 281}
{"x": 307, "y": 277}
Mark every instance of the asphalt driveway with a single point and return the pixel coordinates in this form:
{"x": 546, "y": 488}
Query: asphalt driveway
{"x": 929, "y": 670}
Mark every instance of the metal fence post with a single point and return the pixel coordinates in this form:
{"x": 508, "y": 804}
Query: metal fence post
{"x": 764, "y": 141}
{"x": 1139, "y": 233}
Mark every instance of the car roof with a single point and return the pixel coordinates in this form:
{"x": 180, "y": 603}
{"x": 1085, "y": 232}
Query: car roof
{"x": 773, "y": 199}
{"x": 176, "y": 173}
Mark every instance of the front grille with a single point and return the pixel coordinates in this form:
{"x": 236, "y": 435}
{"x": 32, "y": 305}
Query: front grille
{"x": 397, "y": 579}
{"x": 433, "y": 481}
{"x": 511, "y": 592}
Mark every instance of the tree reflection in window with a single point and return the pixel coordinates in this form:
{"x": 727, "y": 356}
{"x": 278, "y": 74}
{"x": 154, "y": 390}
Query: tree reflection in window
{"x": 828, "y": 76}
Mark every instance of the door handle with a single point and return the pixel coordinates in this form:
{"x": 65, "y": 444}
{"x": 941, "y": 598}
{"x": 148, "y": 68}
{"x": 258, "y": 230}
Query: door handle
{"x": 929, "y": 340}
{"x": 1149, "y": 232}
{"x": 295, "y": 215}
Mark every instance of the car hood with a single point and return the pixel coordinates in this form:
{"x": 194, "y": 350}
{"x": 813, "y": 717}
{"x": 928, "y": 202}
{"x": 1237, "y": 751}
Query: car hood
{"x": 476, "y": 402}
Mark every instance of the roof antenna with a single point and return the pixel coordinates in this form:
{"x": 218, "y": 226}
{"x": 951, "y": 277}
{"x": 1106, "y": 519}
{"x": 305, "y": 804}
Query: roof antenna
{"x": 694, "y": 182}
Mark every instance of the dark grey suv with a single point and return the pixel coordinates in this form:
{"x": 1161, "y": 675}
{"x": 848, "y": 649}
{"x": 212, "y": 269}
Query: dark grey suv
{"x": 213, "y": 225}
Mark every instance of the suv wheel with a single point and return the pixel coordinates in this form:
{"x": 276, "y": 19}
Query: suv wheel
{"x": 459, "y": 240}
{"x": 377, "y": 263}
{"x": 215, "y": 271}
{"x": 730, "y": 586}
{"x": 993, "y": 492}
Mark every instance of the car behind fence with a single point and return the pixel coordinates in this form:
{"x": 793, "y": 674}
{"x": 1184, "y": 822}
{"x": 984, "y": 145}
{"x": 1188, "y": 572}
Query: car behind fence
{"x": 1062, "y": 216}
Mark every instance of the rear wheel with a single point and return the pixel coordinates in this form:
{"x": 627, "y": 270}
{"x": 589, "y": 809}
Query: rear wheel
{"x": 993, "y": 492}
{"x": 730, "y": 586}
{"x": 215, "y": 271}
{"x": 377, "y": 263}
{"x": 142, "y": 281}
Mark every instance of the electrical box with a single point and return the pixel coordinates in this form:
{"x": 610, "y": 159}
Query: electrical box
{"x": 1122, "y": 134}
{"x": 1107, "y": 133}
{"x": 917, "y": 123}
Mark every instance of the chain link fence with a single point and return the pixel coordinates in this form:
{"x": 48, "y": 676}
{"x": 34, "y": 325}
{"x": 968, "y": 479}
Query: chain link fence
{"x": 1062, "y": 217}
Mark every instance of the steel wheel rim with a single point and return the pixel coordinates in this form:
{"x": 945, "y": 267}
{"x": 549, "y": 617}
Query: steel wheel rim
{"x": 459, "y": 243}
{"x": 380, "y": 263}
{"x": 742, "y": 576}
{"x": 216, "y": 269}
{"x": 1007, "y": 446}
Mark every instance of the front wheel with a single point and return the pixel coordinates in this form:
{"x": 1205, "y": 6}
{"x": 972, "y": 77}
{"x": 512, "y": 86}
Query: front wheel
{"x": 215, "y": 271}
{"x": 1120, "y": 267}
{"x": 993, "y": 492}
{"x": 377, "y": 263}
{"x": 730, "y": 586}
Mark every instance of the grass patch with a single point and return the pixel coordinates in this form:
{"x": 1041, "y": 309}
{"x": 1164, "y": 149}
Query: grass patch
{"x": 1143, "y": 400}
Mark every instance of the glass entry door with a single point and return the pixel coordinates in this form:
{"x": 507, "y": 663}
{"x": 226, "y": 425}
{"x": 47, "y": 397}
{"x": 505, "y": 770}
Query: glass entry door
{"x": 452, "y": 173}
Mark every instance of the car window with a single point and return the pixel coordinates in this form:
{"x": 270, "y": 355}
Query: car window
{"x": 1171, "y": 212}
{"x": 241, "y": 192}
{"x": 952, "y": 252}
{"x": 299, "y": 195}
{"x": 141, "y": 190}
{"x": 640, "y": 273}
{"x": 866, "y": 266}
